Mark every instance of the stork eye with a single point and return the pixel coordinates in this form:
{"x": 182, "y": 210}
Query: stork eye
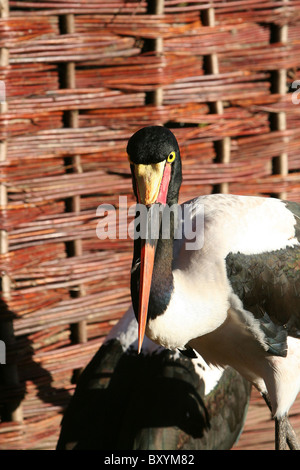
{"x": 171, "y": 157}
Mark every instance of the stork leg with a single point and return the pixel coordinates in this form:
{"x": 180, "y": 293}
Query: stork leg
{"x": 280, "y": 433}
{"x": 284, "y": 431}
{"x": 291, "y": 437}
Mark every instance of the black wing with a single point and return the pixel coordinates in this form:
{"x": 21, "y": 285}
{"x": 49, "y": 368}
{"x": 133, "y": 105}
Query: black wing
{"x": 269, "y": 286}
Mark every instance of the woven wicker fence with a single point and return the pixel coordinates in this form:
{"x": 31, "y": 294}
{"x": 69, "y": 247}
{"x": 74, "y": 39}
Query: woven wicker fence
{"x": 80, "y": 77}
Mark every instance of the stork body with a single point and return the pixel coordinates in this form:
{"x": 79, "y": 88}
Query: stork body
{"x": 224, "y": 293}
{"x": 236, "y": 299}
{"x": 159, "y": 400}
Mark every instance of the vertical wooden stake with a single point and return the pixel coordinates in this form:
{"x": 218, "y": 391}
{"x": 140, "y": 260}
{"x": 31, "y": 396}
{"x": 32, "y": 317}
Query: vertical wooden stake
{"x": 159, "y": 48}
{"x": 278, "y": 120}
{"x": 74, "y": 248}
{"x": 223, "y": 147}
{"x": 156, "y": 7}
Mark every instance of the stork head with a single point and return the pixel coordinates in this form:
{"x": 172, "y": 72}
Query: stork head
{"x": 156, "y": 165}
{"x": 156, "y": 175}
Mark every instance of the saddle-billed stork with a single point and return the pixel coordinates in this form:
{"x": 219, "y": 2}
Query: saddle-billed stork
{"x": 158, "y": 400}
{"x": 236, "y": 298}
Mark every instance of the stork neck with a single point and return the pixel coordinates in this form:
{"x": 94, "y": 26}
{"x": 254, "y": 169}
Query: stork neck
{"x": 162, "y": 278}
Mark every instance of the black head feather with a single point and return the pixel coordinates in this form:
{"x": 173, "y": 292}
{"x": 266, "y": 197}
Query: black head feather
{"x": 153, "y": 144}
